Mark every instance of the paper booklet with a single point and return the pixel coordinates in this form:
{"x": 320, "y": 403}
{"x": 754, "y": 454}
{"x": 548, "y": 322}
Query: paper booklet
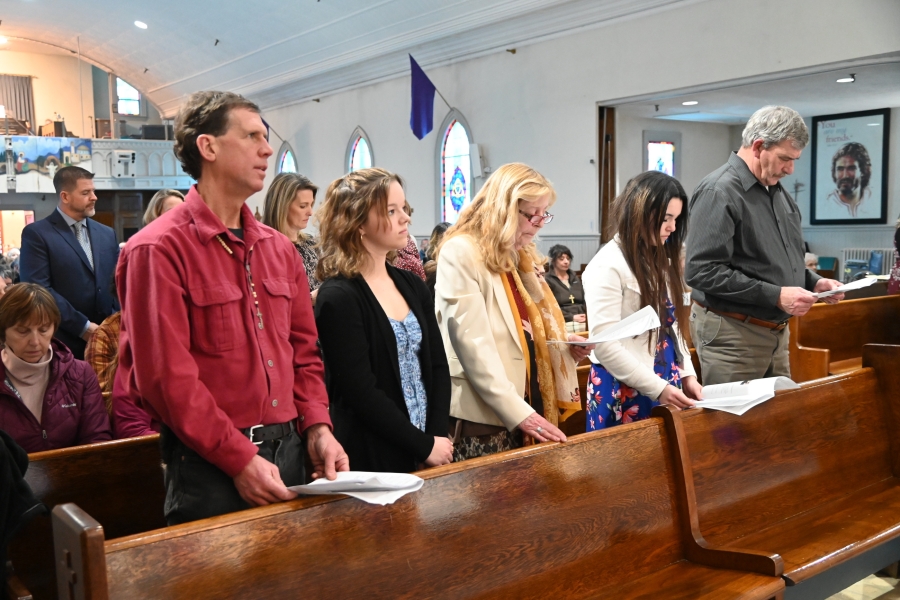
{"x": 853, "y": 285}
{"x": 631, "y": 326}
{"x": 740, "y": 396}
{"x": 374, "y": 488}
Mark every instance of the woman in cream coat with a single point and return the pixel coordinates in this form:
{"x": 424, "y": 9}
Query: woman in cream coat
{"x": 500, "y": 322}
{"x": 641, "y": 266}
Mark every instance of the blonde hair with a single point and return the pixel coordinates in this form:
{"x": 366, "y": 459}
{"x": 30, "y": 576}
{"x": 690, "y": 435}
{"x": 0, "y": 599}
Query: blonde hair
{"x": 154, "y": 209}
{"x": 346, "y": 208}
{"x": 280, "y": 196}
{"x": 492, "y": 219}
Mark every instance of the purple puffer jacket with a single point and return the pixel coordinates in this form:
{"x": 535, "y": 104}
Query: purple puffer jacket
{"x": 74, "y": 412}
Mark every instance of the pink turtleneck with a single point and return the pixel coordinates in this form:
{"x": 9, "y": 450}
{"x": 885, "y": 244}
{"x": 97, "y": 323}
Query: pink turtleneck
{"x": 30, "y": 379}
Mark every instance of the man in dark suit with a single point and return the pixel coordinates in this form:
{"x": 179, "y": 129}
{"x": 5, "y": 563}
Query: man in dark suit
{"x": 74, "y": 257}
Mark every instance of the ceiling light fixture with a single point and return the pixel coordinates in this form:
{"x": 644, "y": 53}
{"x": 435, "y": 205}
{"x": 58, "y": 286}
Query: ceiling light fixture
{"x": 140, "y": 25}
{"x": 874, "y": 124}
{"x": 689, "y": 103}
{"x": 850, "y": 79}
{"x": 3, "y": 40}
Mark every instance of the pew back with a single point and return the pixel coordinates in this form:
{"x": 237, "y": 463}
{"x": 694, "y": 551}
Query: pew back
{"x": 119, "y": 483}
{"x": 844, "y": 328}
{"x": 573, "y": 520}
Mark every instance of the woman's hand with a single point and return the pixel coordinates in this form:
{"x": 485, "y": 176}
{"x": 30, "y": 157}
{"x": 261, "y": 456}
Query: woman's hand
{"x": 579, "y": 353}
{"x": 582, "y": 318}
{"x": 541, "y": 430}
{"x": 441, "y": 453}
{"x": 692, "y": 388}
{"x": 672, "y": 395}
{"x": 313, "y": 295}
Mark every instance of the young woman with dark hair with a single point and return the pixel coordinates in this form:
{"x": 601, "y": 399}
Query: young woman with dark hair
{"x": 640, "y": 267}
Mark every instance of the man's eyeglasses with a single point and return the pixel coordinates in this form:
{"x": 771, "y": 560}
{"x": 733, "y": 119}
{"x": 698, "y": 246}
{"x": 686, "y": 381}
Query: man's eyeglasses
{"x": 537, "y": 219}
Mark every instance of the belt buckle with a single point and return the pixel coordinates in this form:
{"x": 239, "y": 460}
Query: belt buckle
{"x": 250, "y": 435}
{"x": 781, "y": 326}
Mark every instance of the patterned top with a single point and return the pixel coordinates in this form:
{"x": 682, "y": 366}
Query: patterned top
{"x": 102, "y": 353}
{"x": 409, "y": 339}
{"x": 307, "y": 250}
{"x": 408, "y": 259}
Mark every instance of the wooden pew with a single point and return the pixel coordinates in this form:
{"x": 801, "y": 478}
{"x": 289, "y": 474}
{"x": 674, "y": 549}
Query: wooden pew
{"x": 598, "y": 517}
{"x": 828, "y": 340}
{"x": 119, "y": 482}
{"x": 811, "y": 475}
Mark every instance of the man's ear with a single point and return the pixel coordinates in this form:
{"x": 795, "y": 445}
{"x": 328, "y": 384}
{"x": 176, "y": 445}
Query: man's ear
{"x": 64, "y": 197}
{"x": 757, "y": 148}
{"x": 207, "y": 147}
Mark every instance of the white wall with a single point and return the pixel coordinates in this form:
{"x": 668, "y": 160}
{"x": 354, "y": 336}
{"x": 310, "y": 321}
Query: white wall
{"x": 539, "y": 106}
{"x": 56, "y": 88}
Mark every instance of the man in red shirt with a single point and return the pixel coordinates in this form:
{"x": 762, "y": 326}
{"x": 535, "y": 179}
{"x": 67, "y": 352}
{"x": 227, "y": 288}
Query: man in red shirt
{"x": 218, "y": 339}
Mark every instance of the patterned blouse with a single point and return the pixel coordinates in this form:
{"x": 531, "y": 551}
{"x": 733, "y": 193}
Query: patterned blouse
{"x": 307, "y": 250}
{"x": 408, "y": 259}
{"x": 409, "y": 340}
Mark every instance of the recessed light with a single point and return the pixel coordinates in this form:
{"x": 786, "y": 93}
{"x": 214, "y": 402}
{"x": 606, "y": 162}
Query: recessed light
{"x": 849, "y": 79}
{"x": 690, "y": 103}
{"x": 874, "y": 124}
{"x": 3, "y": 40}
{"x": 140, "y": 25}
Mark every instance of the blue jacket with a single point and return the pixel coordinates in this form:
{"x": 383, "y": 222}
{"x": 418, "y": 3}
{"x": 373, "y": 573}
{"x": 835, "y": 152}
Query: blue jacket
{"x": 52, "y": 257}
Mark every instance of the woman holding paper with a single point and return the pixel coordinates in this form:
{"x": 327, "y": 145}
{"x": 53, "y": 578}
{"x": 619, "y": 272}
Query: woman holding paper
{"x": 386, "y": 370}
{"x": 499, "y": 320}
{"x": 640, "y": 267}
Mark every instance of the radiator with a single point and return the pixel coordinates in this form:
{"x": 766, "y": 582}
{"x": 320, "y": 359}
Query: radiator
{"x": 865, "y": 253}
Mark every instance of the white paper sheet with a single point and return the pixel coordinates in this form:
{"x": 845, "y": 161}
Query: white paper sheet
{"x": 740, "y": 396}
{"x": 631, "y": 326}
{"x": 374, "y": 488}
{"x": 849, "y": 287}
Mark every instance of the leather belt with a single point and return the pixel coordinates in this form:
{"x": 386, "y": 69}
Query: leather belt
{"x": 265, "y": 433}
{"x": 746, "y": 318}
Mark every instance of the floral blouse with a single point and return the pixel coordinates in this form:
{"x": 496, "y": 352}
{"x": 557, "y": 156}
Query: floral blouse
{"x": 409, "y": 340}
{"x": 307, "y": 250}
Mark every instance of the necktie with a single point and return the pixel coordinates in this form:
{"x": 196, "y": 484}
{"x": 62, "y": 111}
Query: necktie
{"x": 82, "y": 236}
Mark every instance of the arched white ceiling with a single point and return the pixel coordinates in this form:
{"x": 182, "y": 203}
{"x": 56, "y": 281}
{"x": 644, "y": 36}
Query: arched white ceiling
{"x": 282, "y": 52}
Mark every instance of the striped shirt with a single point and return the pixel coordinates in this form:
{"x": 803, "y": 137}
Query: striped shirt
{"x": 745, "y": 244}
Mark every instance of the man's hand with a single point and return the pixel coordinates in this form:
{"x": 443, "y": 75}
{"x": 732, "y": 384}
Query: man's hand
{"x": 824, "y": 285}
{"x": 325, "y": 453}
{"x": 796, "y": 301}
{"x": 260, "y": 483}
{"x": 92, "y": 327}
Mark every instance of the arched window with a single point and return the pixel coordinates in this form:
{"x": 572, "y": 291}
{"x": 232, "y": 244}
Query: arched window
{"x": 454, "y": 166}
{"x": 359, "y": 151}
{"x": 287, "y": 162}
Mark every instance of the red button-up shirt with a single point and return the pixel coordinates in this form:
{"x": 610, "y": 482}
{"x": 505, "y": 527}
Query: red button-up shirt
{"x": 214, "y": 341}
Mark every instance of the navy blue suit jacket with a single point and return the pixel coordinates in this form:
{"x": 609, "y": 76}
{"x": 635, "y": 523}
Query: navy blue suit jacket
{"x": 52, "y": 257}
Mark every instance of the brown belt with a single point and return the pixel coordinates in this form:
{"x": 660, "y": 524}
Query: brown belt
{"x": 746, "y": 318}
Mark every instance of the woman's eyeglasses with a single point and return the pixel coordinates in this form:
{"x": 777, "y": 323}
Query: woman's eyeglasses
{"x": 537, "y": 219}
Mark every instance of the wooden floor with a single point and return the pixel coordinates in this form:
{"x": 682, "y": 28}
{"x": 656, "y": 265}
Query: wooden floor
{"x": 870, "y": 588}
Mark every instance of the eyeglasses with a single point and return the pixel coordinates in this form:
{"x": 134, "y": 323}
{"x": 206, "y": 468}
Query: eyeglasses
{"x": 537, "y": 219}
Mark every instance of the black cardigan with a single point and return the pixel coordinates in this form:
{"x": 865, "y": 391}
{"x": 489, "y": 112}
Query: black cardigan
{"x": 562, "y": 294}
{"x": 362, "y": 374}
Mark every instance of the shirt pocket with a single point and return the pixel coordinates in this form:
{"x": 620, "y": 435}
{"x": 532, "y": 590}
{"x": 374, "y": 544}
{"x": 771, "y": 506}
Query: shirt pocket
{"x": 281, "y": 294}
{"x": 216, "y": 317}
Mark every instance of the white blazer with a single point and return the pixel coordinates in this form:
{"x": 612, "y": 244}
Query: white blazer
{"x": 611, "y": 293}
{"x": 487, "y": 365}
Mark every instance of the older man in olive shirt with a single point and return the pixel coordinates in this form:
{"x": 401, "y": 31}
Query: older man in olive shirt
{"x": 745, "y": 255}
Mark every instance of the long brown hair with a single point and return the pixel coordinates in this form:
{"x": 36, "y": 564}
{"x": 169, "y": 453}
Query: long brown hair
{"x": 280, "y": 196}
{"x": 346, "y": 209}
{"x": 637, "y": 217}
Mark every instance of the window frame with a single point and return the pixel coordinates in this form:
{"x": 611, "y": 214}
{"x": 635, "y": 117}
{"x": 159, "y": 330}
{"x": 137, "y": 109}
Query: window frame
{"x": 358, "y": 133}
{"x": 282, "y": 151}
{"x": 142, "y": 102}
{"x": 453, "y": 115}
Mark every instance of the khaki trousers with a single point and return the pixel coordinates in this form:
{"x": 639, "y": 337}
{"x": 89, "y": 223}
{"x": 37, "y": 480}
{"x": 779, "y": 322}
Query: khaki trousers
{"x": 731, "y": 350}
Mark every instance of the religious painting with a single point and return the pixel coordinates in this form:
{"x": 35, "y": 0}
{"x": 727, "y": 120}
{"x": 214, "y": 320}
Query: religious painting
{"x": 37, "y": 159}
{"x": 850, "y": 168}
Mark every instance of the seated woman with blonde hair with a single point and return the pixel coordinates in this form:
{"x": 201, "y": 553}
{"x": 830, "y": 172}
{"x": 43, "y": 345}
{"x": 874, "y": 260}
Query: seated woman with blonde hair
{"x": 48, "y": 399}
{"x": 500, "y": 321}
{"x": 385, "y": 366}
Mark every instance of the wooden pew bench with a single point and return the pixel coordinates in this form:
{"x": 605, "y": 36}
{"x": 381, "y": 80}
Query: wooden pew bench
{"x": 812, "y": 475}
{"x": 598, "y": 517}
{"x": 120, "y": 483}
{"x": 828, "y": 340}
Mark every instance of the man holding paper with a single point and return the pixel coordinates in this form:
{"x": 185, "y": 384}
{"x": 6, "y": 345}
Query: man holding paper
{"x": 745, "y": 255}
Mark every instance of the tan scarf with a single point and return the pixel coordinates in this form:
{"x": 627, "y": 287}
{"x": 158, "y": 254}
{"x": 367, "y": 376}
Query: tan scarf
{"x": 556, "y": 367}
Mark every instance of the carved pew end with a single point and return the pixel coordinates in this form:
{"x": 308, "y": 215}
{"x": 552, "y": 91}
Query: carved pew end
{"x": 79, "y": 554}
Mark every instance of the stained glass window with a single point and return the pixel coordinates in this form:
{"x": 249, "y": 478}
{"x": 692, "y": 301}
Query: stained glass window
{"x": 129, "y": 98}
{"x": 456, "y": 189}
{"x": 360, "y": 154}
{"x": 288, "y": 163}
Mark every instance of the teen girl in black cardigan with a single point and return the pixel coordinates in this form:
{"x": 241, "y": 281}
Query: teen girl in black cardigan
{"x": 386, "y": 370}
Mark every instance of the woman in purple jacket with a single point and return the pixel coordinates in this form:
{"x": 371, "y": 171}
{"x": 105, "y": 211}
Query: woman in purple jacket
{"x": 48, "y": 398}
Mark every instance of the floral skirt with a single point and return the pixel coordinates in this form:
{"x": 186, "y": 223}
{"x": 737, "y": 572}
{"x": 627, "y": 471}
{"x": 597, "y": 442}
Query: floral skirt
{"x": 484, "y": 445}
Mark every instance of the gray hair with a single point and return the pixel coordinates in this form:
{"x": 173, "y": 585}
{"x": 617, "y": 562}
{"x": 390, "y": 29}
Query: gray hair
{"x": 773, "y": 125}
